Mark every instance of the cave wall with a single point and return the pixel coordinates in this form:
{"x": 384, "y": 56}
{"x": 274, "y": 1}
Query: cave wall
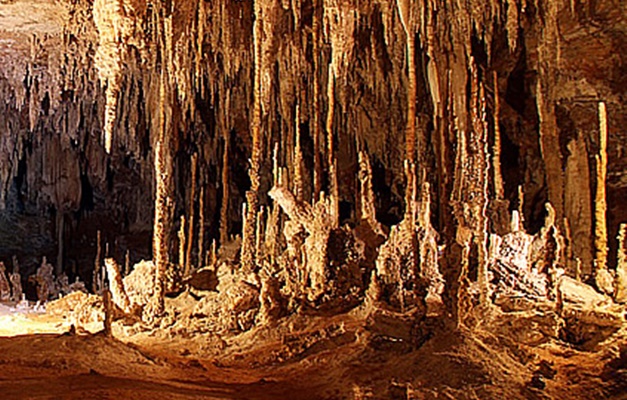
{"x": 83, "y": 110}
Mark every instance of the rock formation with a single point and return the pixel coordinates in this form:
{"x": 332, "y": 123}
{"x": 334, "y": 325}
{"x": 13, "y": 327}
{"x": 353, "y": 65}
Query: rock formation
{"x": 442, "y": 163}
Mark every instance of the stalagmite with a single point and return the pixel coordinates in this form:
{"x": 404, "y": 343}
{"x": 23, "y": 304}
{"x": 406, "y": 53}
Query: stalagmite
{"x": 108, "y": 313}
{"x": 331, "y": 161}
{"x": 429, "y": 258}
{"x": 159, "y": 244}
{"x": 259, "y": 239}
{"x": 15, "y": 279}
{"x": 368, "y": 211}
{"x": 44, "y": 279}
{"x": 116, "y": 286}
{"x": 620, "y": 295}
{"x": 578, "y": 273}
{"x": 272, "y": 226}
{"x": 127, "y": 263}
{"x": 515, "y": 225}
{"x": 5, "y": 287}
{"x": 95, "y": 287}
{"x": 521, "y": 204}
{"x": 201, "y": 226}
{"x": 397, "y": 277}
{"x": 545, "y": 255}
{"x": 252, "y": 196}
{"x": 162, "y": 223}
{"x": 578, "y": 207}
{"x": 463, "y": 302}
{"x": 602, "y": 276}
{"x": 182, "y": 244}
{"x": 212, "y": 255}
{"x": 60, "y": 237}
{"x": 568, "y": 251}
{"x": 478, "y": 180}
{"x": 315, "y": 220}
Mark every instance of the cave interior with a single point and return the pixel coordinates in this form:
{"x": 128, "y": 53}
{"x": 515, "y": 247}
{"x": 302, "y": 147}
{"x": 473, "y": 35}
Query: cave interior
{"x": 313, "y": 199}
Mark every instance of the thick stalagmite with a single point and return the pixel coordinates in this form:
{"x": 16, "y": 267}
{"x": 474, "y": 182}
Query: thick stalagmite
{"x": 603, "y": 278}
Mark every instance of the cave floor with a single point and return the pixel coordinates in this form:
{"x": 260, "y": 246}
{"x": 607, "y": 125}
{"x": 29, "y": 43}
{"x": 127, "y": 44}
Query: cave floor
{"x": 313, "y": 357}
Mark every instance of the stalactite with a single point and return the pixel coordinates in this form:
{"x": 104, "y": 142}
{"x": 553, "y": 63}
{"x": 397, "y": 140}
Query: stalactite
{"x": 407, "y": 19}
{"x": 339, "y": 27}
{"x": 433, "y": 78}
{"x": 545, "y": 102}
{"x": 60, "y": 238}
{"x": 201, "y": 17}
{"x": 298, "y": 161}
{"x": 190, "y": 229}
{"x": 513, "y": 24}
{"x": 224, "y": 207}
{"x": 316, "y": 112}
{"x": 115, "y": 31}
{"x": 496, "y": 152}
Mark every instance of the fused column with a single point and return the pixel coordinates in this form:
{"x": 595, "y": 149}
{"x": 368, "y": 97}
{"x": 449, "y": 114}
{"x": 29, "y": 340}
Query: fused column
{"x": 600, "y": 207}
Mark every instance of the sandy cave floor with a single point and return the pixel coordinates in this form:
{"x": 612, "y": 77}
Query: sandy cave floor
{"x": 314, "y": 357}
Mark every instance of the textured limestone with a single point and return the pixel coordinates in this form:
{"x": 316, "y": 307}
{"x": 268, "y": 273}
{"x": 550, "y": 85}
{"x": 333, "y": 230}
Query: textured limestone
{"x": 145, "y": 112}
